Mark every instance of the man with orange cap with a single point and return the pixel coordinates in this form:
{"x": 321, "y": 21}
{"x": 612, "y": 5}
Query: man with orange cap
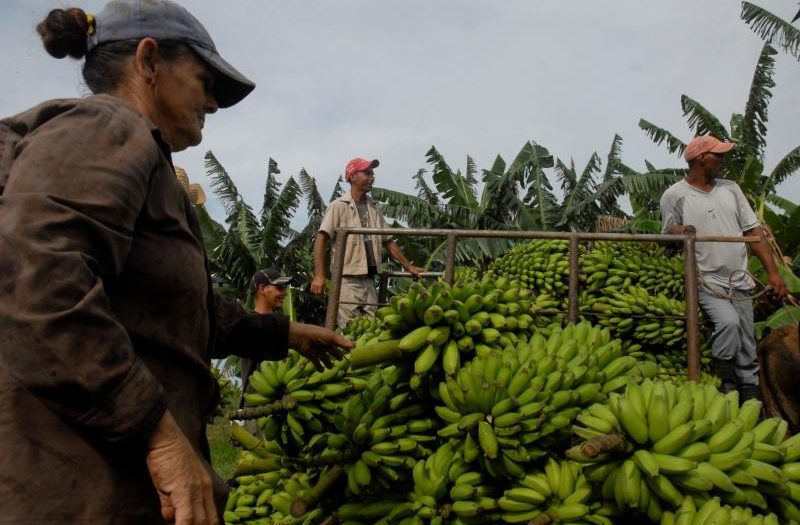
{"x": 362, "y": 258}
{"x": 704, "y": 203}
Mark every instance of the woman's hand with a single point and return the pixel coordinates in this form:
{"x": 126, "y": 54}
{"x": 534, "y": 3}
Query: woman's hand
{"x": 320, "y": 345}
{"x": 180, "y": 477}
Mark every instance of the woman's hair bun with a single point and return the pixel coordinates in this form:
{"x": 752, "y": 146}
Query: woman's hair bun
{"x": 64, "y": 32}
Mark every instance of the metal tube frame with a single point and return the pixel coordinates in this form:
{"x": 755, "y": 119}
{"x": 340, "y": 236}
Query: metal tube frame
{"x": 688, "y": 240}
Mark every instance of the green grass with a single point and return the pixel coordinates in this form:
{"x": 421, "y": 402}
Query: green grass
{"x": 223, "y": 453}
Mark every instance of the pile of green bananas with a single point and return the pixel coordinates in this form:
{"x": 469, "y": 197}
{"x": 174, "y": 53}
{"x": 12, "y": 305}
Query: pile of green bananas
{"x": 489, "y": 443}
{"x": 274, "y": 503}
{"x": 673, "y": 361}
{"x": 634, "y": 289}
{"x": 507, "y": 407}
{"x": 265, "y": 487}
{"x": 292, "y": 400}
{"x": 446, "y": 490}
{"x": 250, "y": 500}
{"x": 441, "y": 326}
{"x": 638, "y": 316}
{"x": 639, "y": 264}
{"x": 541, "y": 265}
{"x": 712, "y": 511}
{"x": 379, "y": 434}
{"x": 559, "y": 493}
{"x": 659, "y": 441}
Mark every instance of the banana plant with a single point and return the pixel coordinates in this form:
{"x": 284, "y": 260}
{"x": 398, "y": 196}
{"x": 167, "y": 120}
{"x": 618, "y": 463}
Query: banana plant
{"x": 772, "y": 28}
{"x": 748, "y": 130}
{"x": 298, "y": 254}
{"x": 579, "y": 210}
{"x": 513, "y": 198}
{"x": 643, "y": 190}
{"x": 251, "y": 241}
{"x": 786, "y": 229}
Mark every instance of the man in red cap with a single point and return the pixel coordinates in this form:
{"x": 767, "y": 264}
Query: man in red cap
{"x": 714, "y": 206}
{"x": 362, "y": 258}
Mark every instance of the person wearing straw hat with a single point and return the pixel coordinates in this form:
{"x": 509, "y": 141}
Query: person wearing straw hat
{"x": 708, "y": 205}
{"x": 108, "y": 316}
{"x": 362, "y": 259}
{"x": 196, "y": 194}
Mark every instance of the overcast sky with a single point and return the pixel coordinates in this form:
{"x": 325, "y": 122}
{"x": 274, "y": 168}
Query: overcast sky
{"x": 344, "y": 78}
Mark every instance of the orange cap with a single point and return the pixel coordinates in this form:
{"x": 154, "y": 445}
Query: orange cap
{"x": 705, "y": 144}
{"x": 358, "y": 164}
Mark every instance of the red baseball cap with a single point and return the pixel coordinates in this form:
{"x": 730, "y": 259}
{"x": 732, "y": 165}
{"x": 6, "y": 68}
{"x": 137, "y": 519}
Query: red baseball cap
{"x": 705, "y": 144}
{"x": 359, "y": 164}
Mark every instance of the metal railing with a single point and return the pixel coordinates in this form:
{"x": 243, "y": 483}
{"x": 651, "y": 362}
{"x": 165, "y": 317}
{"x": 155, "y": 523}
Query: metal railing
{"x": 688, "y": 240}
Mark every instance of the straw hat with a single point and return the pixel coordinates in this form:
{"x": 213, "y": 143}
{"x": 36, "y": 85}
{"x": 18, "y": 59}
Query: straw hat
{"x": 196, "y": 194}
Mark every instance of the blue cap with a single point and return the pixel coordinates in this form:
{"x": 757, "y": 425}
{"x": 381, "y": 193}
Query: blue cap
{"x": 163, "y": 19}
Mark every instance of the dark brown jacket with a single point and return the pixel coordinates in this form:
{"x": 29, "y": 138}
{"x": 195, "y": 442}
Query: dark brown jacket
{"x": 106, "y": 314}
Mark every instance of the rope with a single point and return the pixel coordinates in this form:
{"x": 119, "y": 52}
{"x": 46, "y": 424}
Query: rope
{"x": 729, "y": 293}
{"x": 788, "y": 299}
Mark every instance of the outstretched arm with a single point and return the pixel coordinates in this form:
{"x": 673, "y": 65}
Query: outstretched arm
{"x": 397, "y": 254}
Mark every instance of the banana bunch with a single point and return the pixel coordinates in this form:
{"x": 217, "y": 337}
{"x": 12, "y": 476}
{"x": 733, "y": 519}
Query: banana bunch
{"x": 267, "y": 499}
{"x": 249, "y": 501}
{"x": 628, "y": 249}
{"x": 658, "y": 441}
{"x": 293, "y": 400}
{"x": 648, "y": 267}
{"x": 638, "y": 316}
{"x": 674, "y": 360}
{"x": 558, "y": 494}
{"x": 445, "y": 488}
{"x": 541, "y": 265}
{"x": 441, "y": 326}
{"x": 466, "y": 273}
{"x": 282, "y": 500}
{"x": 379, "y": 434}
{"x": 504, "y": 407}
{"x": 362, "y": 329}
{"x": 771, "y": 446}
{"x": 712, "y": 511}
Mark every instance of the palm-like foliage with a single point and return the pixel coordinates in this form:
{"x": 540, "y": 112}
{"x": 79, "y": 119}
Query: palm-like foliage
{"x": 251, "y": 242}
{"x": 748, "y": 130}
{"x": 772, "y": 28}
{"x": 298, "y": 254}
{"x": 518, "y": 196}
{"x": 452, "y": 202}
{"x": 580, "y": 209}
{"x": 786, "y": 227}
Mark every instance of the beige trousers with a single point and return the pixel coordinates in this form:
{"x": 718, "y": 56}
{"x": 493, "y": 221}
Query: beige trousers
{"x": 358, "y": 290}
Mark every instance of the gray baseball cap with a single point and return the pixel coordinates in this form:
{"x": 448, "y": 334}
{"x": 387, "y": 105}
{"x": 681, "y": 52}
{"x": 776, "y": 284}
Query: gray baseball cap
{"x": 163, "y": 19}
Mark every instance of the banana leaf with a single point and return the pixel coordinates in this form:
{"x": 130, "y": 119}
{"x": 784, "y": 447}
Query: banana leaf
{"x": 787, "y": 315}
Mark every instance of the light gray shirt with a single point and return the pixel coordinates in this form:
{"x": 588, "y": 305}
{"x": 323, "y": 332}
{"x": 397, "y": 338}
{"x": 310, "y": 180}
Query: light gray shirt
{"x": 722, "y": 211}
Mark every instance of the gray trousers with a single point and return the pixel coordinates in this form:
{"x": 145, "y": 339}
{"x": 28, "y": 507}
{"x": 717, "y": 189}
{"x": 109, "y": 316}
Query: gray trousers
{"x": 734, "y": 335}
{"x": 359, "y": 290}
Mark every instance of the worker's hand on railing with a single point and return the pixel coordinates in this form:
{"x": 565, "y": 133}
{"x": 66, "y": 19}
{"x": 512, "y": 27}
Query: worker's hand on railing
{"x": 415, "y": 271}
{"x": 680, "y": 229}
